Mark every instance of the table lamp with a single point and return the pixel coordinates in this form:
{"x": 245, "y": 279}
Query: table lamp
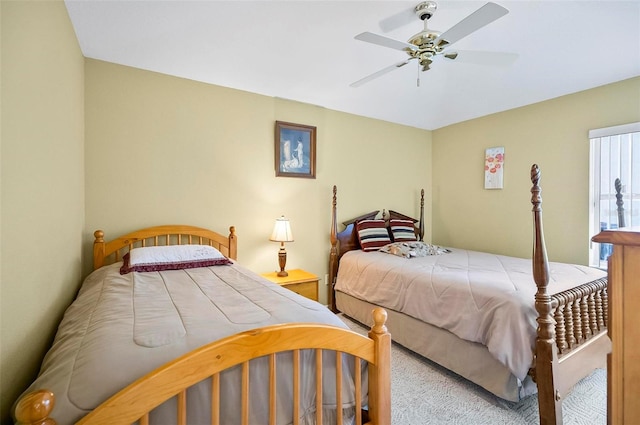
{"x": 282, "y": 233}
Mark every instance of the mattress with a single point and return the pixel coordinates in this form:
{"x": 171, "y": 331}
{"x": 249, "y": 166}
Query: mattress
{"x": 477, "y": 296}
{"x": 121, "y": 327}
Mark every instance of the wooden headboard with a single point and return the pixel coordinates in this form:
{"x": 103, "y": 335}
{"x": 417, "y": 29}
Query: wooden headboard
{"x": 112, "y": 251}
{"x": 347, "y": 240}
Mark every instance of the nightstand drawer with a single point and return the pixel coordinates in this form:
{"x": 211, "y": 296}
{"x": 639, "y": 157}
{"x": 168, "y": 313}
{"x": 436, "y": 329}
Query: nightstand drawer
{"x": 299, "y": 281}
{"x": 309, "y": 289}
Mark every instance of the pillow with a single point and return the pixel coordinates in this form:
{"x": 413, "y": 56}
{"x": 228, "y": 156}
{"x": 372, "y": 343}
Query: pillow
{"x": 172, "y": 257}
{"x": 413, "y": 249}
{"x": 402, "y": 230}
{"x": 372, "y": 234}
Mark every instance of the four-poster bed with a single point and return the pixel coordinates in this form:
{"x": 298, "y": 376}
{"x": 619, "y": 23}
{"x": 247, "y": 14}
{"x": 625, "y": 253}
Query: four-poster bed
{"x": 562, "y": 333}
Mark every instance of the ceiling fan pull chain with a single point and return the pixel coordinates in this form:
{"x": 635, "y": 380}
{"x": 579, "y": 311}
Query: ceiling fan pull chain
{"x": 418, "y": 80}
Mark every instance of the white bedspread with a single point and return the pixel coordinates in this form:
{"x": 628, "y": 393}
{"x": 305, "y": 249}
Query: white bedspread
{"x": 122, "y": 326}
{"x": 479, "y": 297}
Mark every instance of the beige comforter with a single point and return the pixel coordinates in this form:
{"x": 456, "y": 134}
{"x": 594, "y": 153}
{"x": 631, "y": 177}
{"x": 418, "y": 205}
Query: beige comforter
{"x": 480, "y": 297}
{"x": 122, "y": 326}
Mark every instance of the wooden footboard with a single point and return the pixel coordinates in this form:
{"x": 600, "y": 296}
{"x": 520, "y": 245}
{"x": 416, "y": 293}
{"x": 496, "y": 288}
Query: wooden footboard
{"x": 172, "y": 380}
{"x": 572, "y": 326}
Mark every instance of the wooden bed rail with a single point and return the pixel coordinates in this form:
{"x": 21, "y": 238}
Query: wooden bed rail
{"x": 135, "y": 402}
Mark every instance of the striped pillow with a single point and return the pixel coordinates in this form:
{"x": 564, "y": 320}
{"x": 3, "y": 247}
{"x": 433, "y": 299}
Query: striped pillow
{"x": 372, "y": 234}
{"x": 402, "y": 230}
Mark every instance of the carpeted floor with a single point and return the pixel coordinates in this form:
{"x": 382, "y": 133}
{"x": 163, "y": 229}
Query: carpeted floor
{"x": 423, "y": 392}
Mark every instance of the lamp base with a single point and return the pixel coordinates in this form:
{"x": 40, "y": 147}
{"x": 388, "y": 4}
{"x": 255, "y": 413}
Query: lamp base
{"x": 282, "y": 260}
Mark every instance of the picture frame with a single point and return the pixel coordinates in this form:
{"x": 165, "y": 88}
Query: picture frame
{"x": 295, "y": 150}
{"x": 494, "y": 168}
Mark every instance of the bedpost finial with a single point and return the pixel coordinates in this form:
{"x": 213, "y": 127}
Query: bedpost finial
{"x": 335, "y": 197}
{"x": 535, "y": 174}
{"x": 99, "y": 236}
{"x": 618, "y": 185}
{"x": 232, "y": 231}
{"x": 379, "y": 319}
{"x": 35, "y": 407}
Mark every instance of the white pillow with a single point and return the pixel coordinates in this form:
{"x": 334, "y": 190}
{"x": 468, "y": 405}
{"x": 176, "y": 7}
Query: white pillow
{"x": 172, "y": 257}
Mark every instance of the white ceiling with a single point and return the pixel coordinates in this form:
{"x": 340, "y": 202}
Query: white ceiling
{"x": 306, "y": 51}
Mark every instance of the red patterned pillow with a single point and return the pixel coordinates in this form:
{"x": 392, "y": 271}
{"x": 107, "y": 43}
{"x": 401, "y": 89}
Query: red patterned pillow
{"x": 402, "y": 230}
{"x": 372, "y": 234}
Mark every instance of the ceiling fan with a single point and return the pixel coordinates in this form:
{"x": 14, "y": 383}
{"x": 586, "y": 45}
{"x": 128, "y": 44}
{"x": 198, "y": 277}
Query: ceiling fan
{"x": 428, "y": 44}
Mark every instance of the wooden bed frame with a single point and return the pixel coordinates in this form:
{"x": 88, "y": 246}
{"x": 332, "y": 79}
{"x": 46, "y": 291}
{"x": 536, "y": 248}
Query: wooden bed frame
{"x": 134, "y": 402}
{"x": 572, "y": 336}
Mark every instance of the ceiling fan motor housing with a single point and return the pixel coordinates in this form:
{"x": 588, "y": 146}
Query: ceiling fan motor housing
{"x": 425, "y": 10}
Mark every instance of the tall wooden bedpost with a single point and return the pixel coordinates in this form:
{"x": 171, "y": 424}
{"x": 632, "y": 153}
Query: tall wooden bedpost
{"x": 546, "y": 354}
{"x": 421, "y": 228}
{"x": 619, "y": 203}
{"x": 333, "y": 254}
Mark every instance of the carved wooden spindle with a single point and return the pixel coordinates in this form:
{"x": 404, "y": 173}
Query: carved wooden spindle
{"x": 593, "y": 314}
{"x": 599, "y": 310}
{"x": 605, "y": 306}
{"x": 568, "y": 324}
{"x": 619, "y": 203}
{"x": 584, "y": 308}
{"x": 561, "y": 335}
{"x": 577, "y": 321}
{"x": 546, "y": 356}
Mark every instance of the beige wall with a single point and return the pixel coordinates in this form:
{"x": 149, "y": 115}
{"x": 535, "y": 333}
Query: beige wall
{"x": 42, "y": 216}
{"x": 161, "y": 149}
{"x": 158, "y": 149}
{"x": 553, "y": 134}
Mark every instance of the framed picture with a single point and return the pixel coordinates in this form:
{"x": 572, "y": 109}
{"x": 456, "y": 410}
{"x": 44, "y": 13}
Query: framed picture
{"x": 295, "y": 150}
{"x": 494, "y": 168}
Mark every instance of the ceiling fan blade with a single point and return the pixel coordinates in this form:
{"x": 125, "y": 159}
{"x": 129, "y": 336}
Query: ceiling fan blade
{"x": 380, "y": 40}
{"x": 380, "y": 73}
{"x": 478, "y": 57}
{"x": 478, "y": 19}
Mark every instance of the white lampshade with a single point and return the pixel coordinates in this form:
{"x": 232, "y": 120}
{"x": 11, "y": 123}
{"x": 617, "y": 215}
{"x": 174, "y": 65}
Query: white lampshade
{"x": 282, "y": 231}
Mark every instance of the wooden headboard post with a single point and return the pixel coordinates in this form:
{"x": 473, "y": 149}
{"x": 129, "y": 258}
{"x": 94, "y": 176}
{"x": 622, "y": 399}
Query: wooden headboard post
{"x": 333, "y": 254}
{"x": 546, "y": 351}
{"x": 98, "y": 249}
{"x": 421, "y": 225}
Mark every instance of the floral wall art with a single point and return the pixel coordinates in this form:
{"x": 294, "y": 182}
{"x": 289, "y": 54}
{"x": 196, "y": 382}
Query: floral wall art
{"x": 494, "y": 168}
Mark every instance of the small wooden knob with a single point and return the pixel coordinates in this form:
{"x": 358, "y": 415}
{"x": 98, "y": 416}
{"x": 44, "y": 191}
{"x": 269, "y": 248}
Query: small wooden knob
{"x": 379, "y": 319}
{"x": 34, "y": 408}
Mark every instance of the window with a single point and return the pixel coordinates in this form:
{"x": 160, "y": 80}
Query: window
{"x": 615, "y": 154}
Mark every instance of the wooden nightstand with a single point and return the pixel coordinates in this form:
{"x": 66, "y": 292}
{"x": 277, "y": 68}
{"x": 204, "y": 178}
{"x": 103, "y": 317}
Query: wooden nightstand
{"x": 298, "y": 281}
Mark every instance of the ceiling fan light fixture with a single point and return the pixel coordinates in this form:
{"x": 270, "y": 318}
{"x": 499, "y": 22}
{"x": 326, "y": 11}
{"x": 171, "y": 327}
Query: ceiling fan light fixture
{"x": 427, "y": 44}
